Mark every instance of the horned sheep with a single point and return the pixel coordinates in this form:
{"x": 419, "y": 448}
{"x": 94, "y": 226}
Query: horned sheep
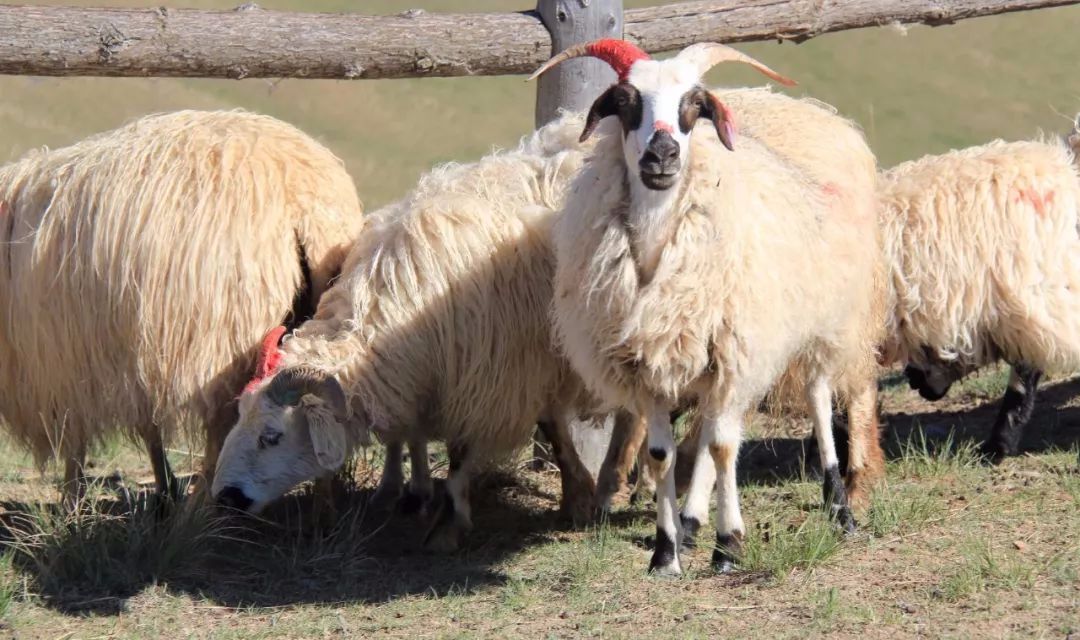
{"x": 767, "y": 116}
{"x": 437, "y": 330}
{"x": 688, "y": 271}
{"x": 984, "y": 258}
{"x": 139, "y": 268}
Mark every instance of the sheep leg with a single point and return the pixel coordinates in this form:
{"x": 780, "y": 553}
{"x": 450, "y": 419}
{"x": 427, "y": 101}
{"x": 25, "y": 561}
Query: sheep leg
{"x": 167, "y": 486}
{"x": 665, "y": 558}
{"x": 1016, "y": 409}
{"x": 819, "y": 399}
{"x": 699, "y": 485}
{"x": 453, "y": 519}
{"x": 720, "y": 436}
{"x": 393, "y": 478}
{"x": 865, "y": 459}
{"x": 419, "y": 492}
{"x": 577, "y": 484}
{"x": 645, "y": 483}
{"x": 627, "y": 437}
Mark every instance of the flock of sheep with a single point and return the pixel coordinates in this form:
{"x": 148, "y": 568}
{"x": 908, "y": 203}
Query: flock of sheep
{"x": 624, "y": 261}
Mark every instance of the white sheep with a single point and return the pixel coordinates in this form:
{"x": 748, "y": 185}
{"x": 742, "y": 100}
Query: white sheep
{"x": 766, "y": 116}
{"x": 437, "y": 330}
{"x": 139, "y": 268}
{"x": 984, "y": 260}
{"x": 685, "y": 270}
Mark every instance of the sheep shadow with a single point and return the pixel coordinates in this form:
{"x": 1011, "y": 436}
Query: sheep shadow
{"x": 94, "y": 563}
{"x": 1054, "y": 425}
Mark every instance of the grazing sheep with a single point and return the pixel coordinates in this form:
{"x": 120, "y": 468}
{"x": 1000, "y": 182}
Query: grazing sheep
{"x": 139, "y": 268}
{"x": 437, "y": 330}
{"x": 984, "y": 255}
{"x": 687, "y": 271}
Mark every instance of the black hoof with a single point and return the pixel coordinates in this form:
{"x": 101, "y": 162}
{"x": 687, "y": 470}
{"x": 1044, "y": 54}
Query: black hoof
{"x": 691, "y": 526}
{"x": 994, "y": 453}
{"x": 846, "y": 520}
{"x": 726, "y": 552}
{"x": 665, "y": 560}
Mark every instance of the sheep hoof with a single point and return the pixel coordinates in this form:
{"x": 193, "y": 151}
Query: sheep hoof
{"x": 665, "y": 558}
{"x": 847, "y": 521}
{"x": 726, "y": 552}
{"x": 580, "y": 511}
{"x": 994, "y": 452}
{"x": 691, "y": 526}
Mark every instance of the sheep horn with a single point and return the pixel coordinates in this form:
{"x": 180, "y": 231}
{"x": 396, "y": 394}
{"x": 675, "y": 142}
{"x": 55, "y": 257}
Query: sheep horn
{"x": 288, "y": 386}
{"x": 706, "y": 55}
{"x": 619, "y": 54}
{"x": 269, "y": 355}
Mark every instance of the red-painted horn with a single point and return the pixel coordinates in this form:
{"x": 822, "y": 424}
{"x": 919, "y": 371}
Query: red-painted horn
{"x": 619, "y": 54}
{"x": 269, "y": 357}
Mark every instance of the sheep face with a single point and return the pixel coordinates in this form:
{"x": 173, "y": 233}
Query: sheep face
{"x": 658, "y": 107}
{"x": 291, "y": 429}
{"x": 934, "y": 373}
{"x": 658, "y": 103}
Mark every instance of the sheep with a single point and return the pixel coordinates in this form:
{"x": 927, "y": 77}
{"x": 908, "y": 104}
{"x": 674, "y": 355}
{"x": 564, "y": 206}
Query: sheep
{"x": 984, "y": 262}
{"x": 437, "y": 330}
{"x": 687, "y": 271}
{"x": 139, "y": 268}
{"x": 766, "y": 115}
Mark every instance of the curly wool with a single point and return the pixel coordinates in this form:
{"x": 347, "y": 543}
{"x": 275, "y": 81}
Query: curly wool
{"x": 984, "y": 254}
{"x": 140, "y": 267}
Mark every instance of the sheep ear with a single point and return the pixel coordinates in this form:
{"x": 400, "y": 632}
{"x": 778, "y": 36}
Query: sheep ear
{"x": 327, "y": 433}
{"x": 601, "y": 108}
{"x": 722, "y": 118}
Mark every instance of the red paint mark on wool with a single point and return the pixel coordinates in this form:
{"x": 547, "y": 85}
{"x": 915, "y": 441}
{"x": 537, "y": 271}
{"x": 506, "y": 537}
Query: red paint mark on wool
{"x": 831, "y": 189}
{"x": 660, "y": 125}
{"x": 269, "y": 357}
{"x": 1040, "y": 201}
{"x": 620, "y": 54}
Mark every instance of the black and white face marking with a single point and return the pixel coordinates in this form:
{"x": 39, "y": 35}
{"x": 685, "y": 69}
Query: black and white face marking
{"x": 658, "y": 106}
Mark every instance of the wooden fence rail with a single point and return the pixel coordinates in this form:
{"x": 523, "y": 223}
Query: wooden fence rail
{"x": 249, "y": 42}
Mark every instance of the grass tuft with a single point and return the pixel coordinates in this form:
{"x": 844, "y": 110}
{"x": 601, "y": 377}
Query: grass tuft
{"x": 778, "y": 550}
{"x": 982, "y": 567}
{"x": 900, "y": 510}
{"x": 100, "y": 551}
{"x": 923, "y": 457}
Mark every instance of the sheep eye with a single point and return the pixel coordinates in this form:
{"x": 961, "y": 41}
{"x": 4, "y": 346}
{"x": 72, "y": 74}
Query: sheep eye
{"x": 269, "y": 439}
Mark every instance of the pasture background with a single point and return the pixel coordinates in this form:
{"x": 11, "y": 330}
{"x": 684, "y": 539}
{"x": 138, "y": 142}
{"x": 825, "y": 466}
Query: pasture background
{"x": 950, "y": 549}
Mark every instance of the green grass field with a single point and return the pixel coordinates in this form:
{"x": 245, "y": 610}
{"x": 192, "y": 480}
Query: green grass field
{"x": 921, "y": 92}
{"x": 949, "y": 548}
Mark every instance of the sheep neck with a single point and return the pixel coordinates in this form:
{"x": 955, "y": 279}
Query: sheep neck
{"x": 651, "y": 219}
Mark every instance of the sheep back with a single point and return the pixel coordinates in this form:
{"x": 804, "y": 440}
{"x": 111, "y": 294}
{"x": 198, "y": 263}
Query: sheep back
{"x": 140, "y": 267}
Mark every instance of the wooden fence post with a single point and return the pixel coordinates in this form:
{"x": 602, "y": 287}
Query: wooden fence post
{"x": 574, "y": 85}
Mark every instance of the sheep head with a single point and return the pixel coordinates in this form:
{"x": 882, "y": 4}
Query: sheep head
{"x": 658, "y": 102}
{"x": 291, "y": 429}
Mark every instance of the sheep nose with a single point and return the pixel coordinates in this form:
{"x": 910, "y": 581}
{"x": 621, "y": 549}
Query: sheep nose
{"x": 661, "y": 153}
{"x": 234, "y": 498}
